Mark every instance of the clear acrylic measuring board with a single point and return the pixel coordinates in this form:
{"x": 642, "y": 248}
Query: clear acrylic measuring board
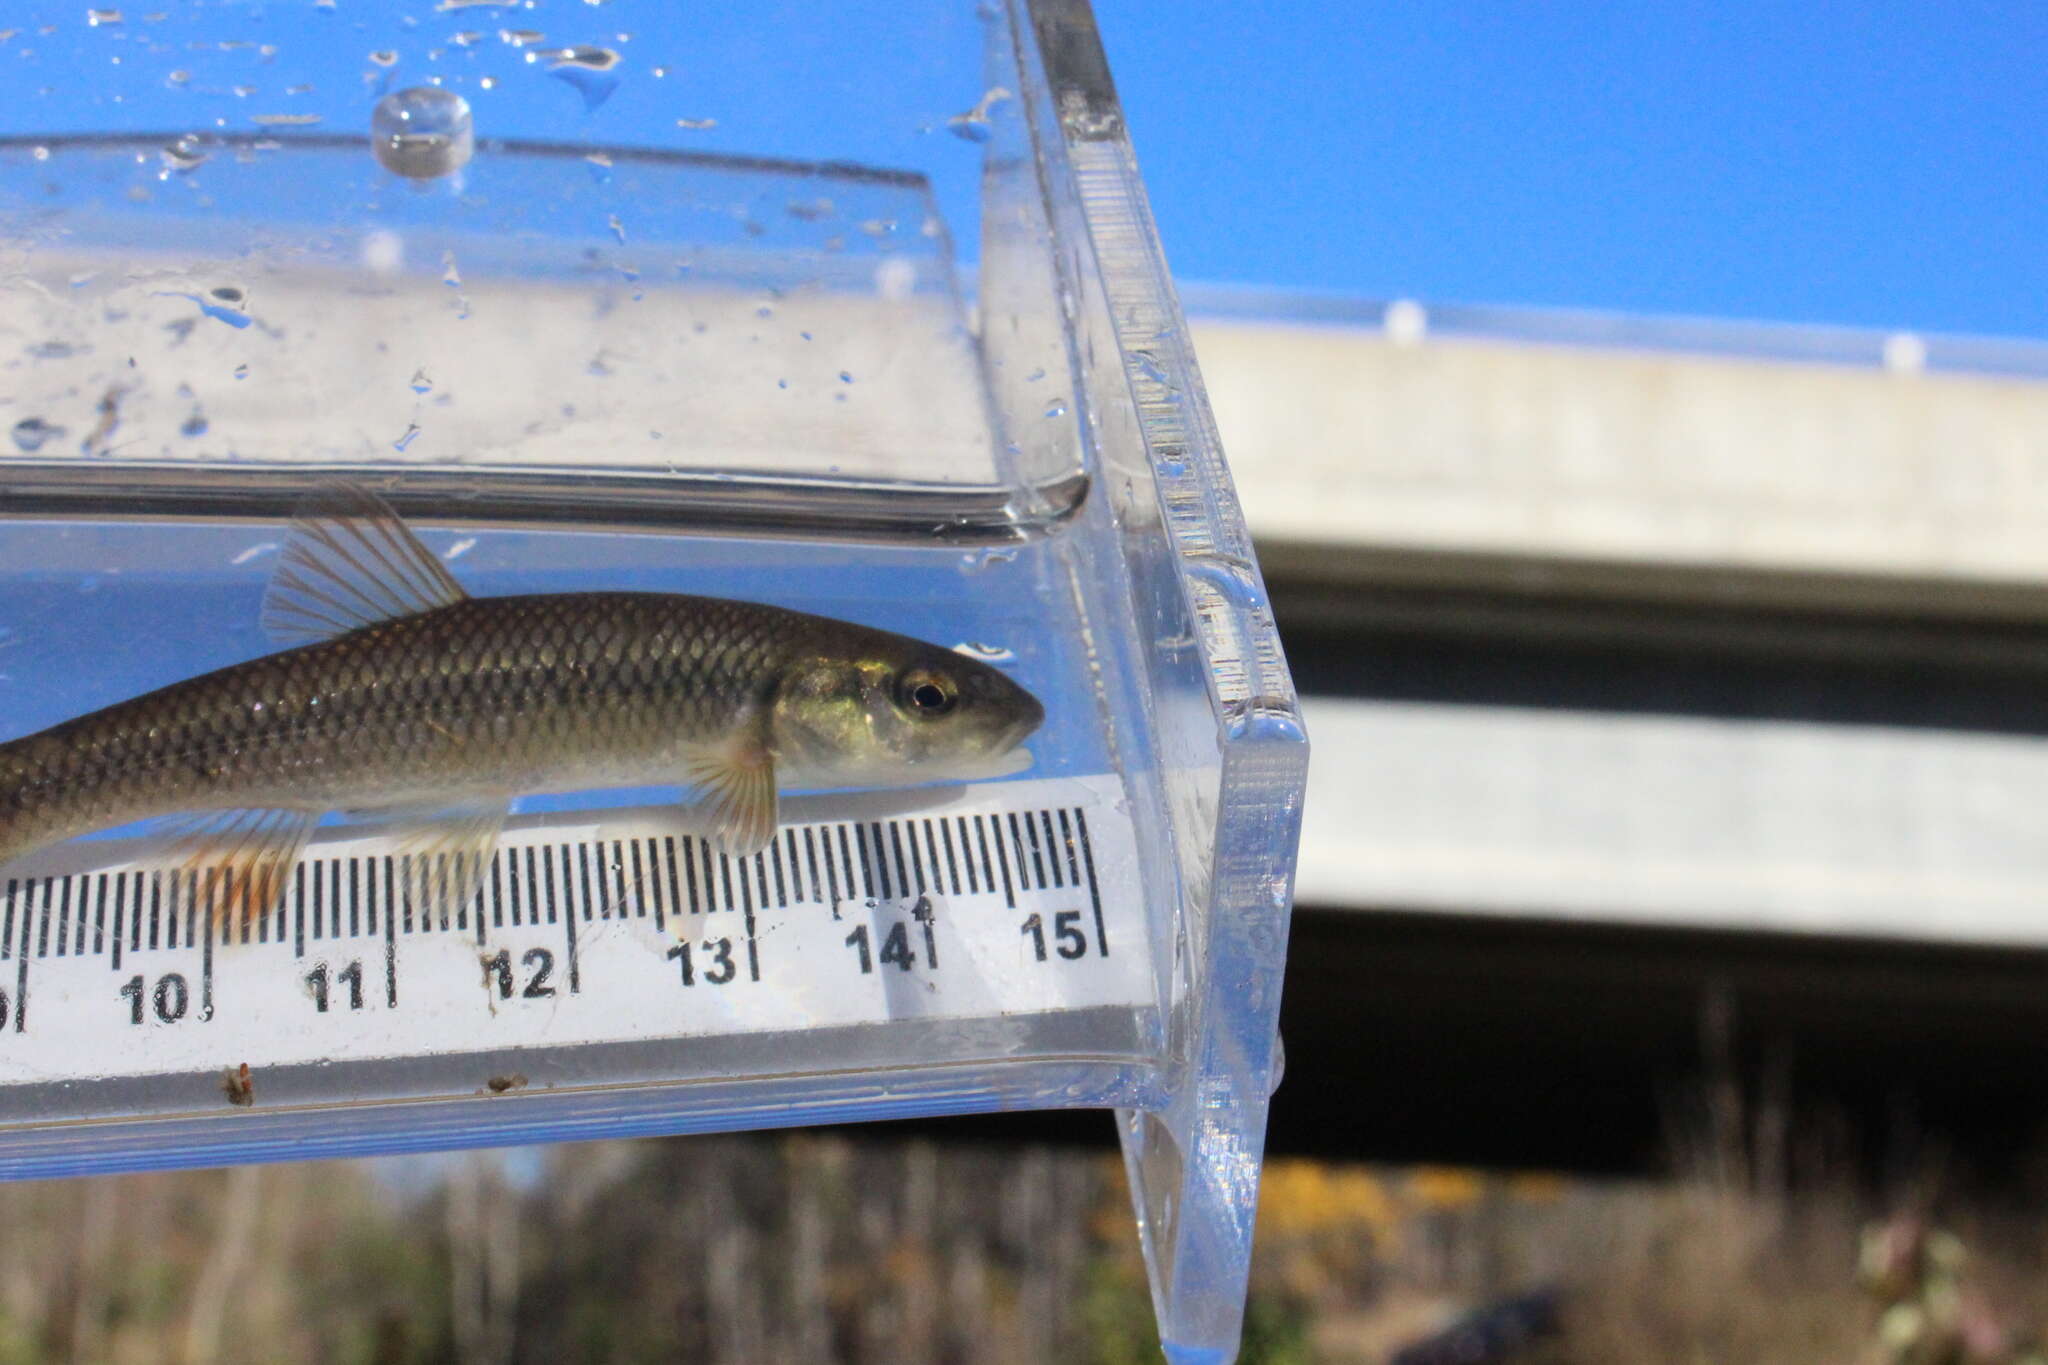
{"x": 855, "y": 310}
{"x": 621, "y": 938}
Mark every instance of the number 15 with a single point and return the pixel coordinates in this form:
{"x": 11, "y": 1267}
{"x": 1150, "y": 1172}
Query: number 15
{"x": 1066, "y": 926}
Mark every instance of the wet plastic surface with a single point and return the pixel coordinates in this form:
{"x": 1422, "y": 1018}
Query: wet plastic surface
{"x": 585, "y": 340}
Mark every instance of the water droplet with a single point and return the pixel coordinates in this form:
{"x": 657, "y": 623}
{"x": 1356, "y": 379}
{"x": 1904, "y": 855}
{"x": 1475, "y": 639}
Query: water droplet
{"x": 178, "y": 78}
{"x": 995, "y": 654}
{"x": 469, "y": 37}
{"x": 228, "y": 309}
{"x": 618, "y": 228}
{"x": 1056, "y": 408}
{"x": 284, "y": 120}
{"x": 697, "y": 124}
{"x": 1905, "y": 353}
{"x": 181, "y": 156}
{"x": 32, "y": 433}
{"x": 1035, "y": 376}
{"x": 1267, "y": 719}
{"x": 384, "y": 57}
{"x": 419, "y": 383}
{"x": 973, "y": 125}
{"x": 585, "y": 56}
{"x": 450, "y": 276}
{"x": 811, "y": 210}
{"x": 382, "y": 252}
{"x": 242, "y": 371}
{"x": 974, "y": 561}
{"x": 588, "y": 70}
{"x": 1148, "y": 365}
{"x": 895, "y": 279}
{"x": 412, "y": 432}
{"x": 659, "y": 72}
{"x": 195, "y": 425}
{"x": 489, "y": 83}
{"x": 846, "y": 376}
{"x": 98, "y": 17}
{"x": 422, "y": 132}
{"x": 782, "y": 383}
{"x": 1229, "y": 575}
{"x": 1406, "y": 321}
{"x": 520, "y": 37}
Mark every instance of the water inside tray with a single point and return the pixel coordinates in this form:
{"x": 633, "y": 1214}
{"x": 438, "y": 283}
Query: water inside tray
{"x": 568, "y": 334}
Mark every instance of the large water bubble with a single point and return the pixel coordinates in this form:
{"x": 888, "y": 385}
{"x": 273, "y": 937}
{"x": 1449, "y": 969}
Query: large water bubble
{"x": 423, "y": 133}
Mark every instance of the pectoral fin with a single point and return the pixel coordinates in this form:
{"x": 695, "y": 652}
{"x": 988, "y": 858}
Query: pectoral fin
{"x": 736, "y": 795}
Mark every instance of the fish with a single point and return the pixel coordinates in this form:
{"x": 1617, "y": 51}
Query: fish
{"x": 408, "y": 704}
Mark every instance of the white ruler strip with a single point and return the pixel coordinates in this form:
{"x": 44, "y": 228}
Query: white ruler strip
{"x": 1006, "y": 899}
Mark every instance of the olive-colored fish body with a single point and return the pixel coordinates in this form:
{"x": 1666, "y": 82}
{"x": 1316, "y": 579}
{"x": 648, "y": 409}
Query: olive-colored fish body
{"x": 427, "y": 703}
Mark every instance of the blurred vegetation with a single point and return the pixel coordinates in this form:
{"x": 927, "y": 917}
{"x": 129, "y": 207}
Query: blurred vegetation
{"x": 805, "y": 1247}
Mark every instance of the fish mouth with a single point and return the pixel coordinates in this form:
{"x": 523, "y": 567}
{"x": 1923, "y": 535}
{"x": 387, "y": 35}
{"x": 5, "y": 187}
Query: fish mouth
{"x": 1031, "y": 715}
{"x": 1006, "y": 760}
{"x": 1011, "y": 757}
{"x": 976, "y": 768}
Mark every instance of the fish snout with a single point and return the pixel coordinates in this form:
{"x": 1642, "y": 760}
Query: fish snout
{"x": 1030, "y": 715}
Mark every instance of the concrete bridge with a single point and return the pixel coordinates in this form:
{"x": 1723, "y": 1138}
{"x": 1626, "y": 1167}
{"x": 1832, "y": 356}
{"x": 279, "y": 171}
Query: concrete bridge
{"x": 1680, "y": 701}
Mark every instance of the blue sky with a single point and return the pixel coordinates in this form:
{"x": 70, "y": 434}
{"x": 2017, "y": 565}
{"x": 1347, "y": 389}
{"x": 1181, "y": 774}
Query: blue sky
{"x": 1884, "y": 165}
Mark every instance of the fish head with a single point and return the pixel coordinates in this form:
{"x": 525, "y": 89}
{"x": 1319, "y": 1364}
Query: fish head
{"x": 896, "y": 710}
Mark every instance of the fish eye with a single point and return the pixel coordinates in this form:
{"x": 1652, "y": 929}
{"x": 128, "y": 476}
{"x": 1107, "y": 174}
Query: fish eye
{"x": 926, "y": 694}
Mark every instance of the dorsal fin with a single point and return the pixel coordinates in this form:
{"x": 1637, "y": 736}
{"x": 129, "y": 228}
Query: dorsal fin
{"x": 349, "y": 562}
